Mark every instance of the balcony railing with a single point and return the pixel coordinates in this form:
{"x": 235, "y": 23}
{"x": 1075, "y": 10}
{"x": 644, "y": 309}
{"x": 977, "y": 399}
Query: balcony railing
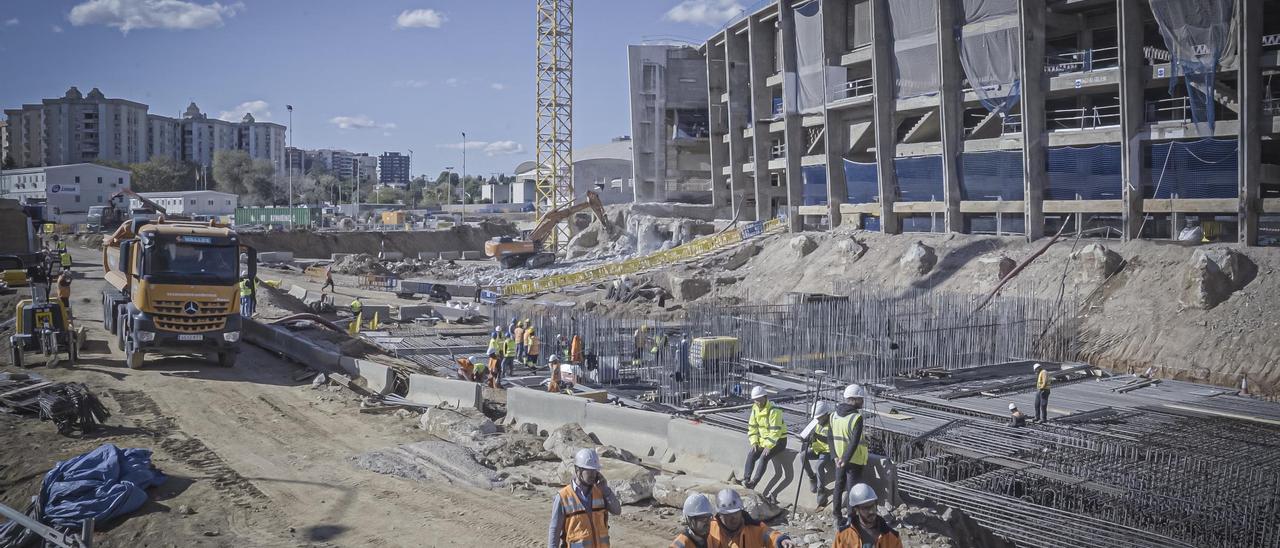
{"x": 856, "y": 88}
{"x": 1172, "y": 109}
{"x": 1084, "y": 60}
{"x": 1083, "y": 118}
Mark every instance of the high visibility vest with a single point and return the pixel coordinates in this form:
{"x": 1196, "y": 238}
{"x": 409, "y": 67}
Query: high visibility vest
{"x": 819, "y": 441}
{"x": 575, "y": 349}
{"x": 355, "y": 307}
{"x": 584, "y": 526}
{"x": 495, "y": 346}
{"x": 66, "y": 260}
{"x": 64, "y": 288}
{"x": 518, "y": 335}
{"x": 766, "y": 427}
{"x": 683, "y": 540}
{"x": 533, "y": 347}
{"x": 60, "y": 246}
{"x": 1042, "y": 380}
{"x": 509, "y": 348}
{"x": 246, "y": 288}
{"x": 849, "y": 537}
{"x": 842, "y": 429}
{"x": 751, "y": 535}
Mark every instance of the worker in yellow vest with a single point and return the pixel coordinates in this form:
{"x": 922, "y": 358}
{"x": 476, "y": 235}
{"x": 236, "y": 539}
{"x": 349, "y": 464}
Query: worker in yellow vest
{"x": 768, "y": 436}
{"x": 580, "y": 511}
{"x": 848, "y": 444}
{"x": 356, "y": 306}
{"x": 246, "y": 297}
{"x": 508, "y": 357}
{"x": 1042, "y": 393}
{"x": 814, "y": 448}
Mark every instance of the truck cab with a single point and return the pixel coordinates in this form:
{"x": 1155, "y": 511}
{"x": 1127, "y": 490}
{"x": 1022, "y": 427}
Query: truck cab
{"x": 174, "y": 287}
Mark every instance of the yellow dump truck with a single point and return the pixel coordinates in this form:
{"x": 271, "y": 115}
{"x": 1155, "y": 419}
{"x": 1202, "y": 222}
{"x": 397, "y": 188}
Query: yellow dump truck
{"x": 173, "y": 287}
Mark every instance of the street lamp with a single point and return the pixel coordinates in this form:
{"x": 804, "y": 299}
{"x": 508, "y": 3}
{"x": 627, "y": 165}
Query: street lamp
{"x": 289, "y": 163}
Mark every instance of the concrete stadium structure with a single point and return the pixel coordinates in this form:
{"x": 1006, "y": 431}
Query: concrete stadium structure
{"x": 853, "y": 111}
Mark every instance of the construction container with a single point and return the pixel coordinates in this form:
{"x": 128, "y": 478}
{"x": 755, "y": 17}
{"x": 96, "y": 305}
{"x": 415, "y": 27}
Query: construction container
{"x": 707, "y": 349}
{"x": 277, "y": 216}
{"x": 393, "y": 217}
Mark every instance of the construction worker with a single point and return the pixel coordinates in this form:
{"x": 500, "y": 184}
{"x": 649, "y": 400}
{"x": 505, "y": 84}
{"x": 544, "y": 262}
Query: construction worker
{"x": 246, "y": 297}
{"x": 697, "y": 515}
{"x": 518, "y": 335}
{"x": 733, "y": 527}
{"x": 682, "y": 356}
{"x": 65, "y": 259}
{"x": 814, "y": 447}
{"x": 1016, "y": 418}
{"x": 1042, "y": 393}
{"x": 492, "y": 369}
{"x": 575, "y": 349}
{"x": 495, "y": 342}
{"x": 641, "y": 335}
{"x": 59, "y": 245}
{"x": 865, "y": 528}
{"x": 532, "y": 349}
{"x": 850, "y": 449}
{"x": 580, "y": 511}
{"x": 768, "y": 436}
{"x": 64, "y": 290}
{"x": 553, "y": 386}
{"x": 466, "y": 369}
{"x": 508, "y": 357}
{"x": 328, "y": 280}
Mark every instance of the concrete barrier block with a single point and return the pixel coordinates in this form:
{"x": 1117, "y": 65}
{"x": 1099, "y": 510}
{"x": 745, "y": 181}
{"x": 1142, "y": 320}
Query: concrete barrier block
{"x": 428, "y": 255}
{"x": 379, "y": 379}
{"x": 348, "y": 366}
{"x": 391, "y": 255}
{"x": 335, "y": 257}
{"x": 548, "y": 411}
{"x": 473, "y": 255}
{"x": 643, "y": 433}
{"x": 450, "y": 255}
{"x": 428, "y": 390}
{"x": 297, "y": 292}
{"x": 281, "y": 341}
{"x": 275, "y": 256}
{"x": 409, "y": 313}
{"x": 382, "y": 310}
{"x": 711, "y": 451}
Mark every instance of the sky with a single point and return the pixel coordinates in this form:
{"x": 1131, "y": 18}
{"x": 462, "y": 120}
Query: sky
{"x": 362, "y": 75}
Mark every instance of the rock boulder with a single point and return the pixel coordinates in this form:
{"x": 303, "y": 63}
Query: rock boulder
{"x": 632, "y": 483}
{"x": 462, "y": 426}
{"x": 918, "y": 260}
{"x": 1204, "y": 286}
{"x": 1097, "y": 263}
{"x": 672, "y": 490}
{"x": 803, "y": 245}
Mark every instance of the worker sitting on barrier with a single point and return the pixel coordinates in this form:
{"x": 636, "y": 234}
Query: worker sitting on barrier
{"x": 865, "y": 528}
{"x": 1016, "y": 418}
{"x": 814, "y": 447}
{"x": 733, "y": 527}
{"x": 768, "y": 436}
{"x": 697, "y": 515}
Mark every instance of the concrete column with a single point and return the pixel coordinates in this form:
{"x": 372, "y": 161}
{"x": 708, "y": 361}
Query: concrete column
{"x": 836, "y": 137}
{"x": 885, "y": 105}
{"x": 1035, "y": 140}
{"x": 717, "y": 125}
{"x": 1250, "y": 82}
{"x": 1132, "y": 115}
{"x": 951, "y": 112}
{"x": 794, "y": 133}
{"x": 759, "y": 34}
{"x": 737, "y": 74}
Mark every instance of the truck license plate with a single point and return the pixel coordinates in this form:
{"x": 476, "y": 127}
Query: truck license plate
{"x": 190, "y": 337}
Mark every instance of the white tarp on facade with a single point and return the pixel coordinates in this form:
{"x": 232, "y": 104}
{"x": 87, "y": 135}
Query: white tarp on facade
{"x": 1198, "y": 35}
{"x": 915, "y": 46}
{"x": 989, "y": 38}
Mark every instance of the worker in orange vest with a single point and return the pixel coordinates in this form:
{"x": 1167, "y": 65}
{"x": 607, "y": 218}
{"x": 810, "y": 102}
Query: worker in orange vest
{"x": 865, "y": 527}
{"x": 532, "y": 349}
{"x": 554, "y": 385}
{"x": 575, "y": 349}
{"x": 698, "y": 515}
{"x": 733, "y": 528}
{"x": 466, "y": 369}
{"x": 580, "y": 511}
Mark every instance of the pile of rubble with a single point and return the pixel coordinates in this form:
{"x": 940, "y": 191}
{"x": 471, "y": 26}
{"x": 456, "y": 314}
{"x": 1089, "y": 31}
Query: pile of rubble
{"x": 362, "y": 263}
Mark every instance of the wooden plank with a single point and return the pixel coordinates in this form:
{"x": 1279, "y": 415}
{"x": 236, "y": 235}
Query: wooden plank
{"x": 1213, "y": 205}
{"x": 1009, "y": 206}
{"x": 920, "y": 207}
{"x": 814, "y": 210}
{"x": 867, "y": 209}
{"x": 1271, "y": 205}
{"x": 1083, "y": 206}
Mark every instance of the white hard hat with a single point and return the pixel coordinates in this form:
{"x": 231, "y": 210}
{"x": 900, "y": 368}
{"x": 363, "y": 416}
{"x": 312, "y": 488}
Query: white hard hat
{"x": 855, "y": 391}
{"x": 823, "y": 408}
{"x": 728, "y": 501}
{"x": 587, "y": 459}
{"x": 758, "y": 392}
{"x": 861, "y": 494}
{"x": 697, "y": 505}
{"x": 554, "y": 358}
{"x": 1037, "y": 367}
{"x": 1012, "y": 407}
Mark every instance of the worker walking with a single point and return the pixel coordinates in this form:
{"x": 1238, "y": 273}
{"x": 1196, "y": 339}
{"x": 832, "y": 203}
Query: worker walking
{"x": 814, "y": 448}
{"x": 1042, "y": 393}
{"x": 865, "y": 528}
{"x": 768, "y": 436}
{"x": 1016, "y": 418}
{"x": 733, "y": 527}
{"x": 580, "y": 511}
{"x": 532, "y": 349}
{"x": 246, "y": 297}
{"x": 64, "y": 259}
{"x": 328, "y": 280}
{"x": 697, "y": 516}
{"x": 850, "y": 449}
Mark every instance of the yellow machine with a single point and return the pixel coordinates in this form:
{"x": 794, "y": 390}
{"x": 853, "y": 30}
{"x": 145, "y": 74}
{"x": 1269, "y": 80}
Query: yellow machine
{"x": 515, "y": 252}
{"x": 41, "y": 324}
{"x": 173, "y": 286}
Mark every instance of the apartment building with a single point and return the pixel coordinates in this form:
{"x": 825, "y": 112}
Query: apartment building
{"x": 669, "y": 123}
{"x": 914, "y": 115}
{"x": 393, "y": 170}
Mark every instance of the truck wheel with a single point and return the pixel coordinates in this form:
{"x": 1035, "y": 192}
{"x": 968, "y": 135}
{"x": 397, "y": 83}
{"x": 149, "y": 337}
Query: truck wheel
{"x": 227, "y": 359}
{"x": 120, "y": 334}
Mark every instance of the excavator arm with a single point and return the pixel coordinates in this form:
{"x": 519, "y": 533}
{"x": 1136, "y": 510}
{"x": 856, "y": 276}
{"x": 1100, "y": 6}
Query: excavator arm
{"x": 554, "y": 217}
{"x": 131, "y": 194}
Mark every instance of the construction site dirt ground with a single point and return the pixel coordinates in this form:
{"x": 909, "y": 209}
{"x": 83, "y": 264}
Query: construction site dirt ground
{"x": 256, "y": 457}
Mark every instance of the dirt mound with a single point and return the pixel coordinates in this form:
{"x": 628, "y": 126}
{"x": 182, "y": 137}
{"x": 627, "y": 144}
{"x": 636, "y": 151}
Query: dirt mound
{"x": 308, "y": 244}
{"x": 362, "y": 263}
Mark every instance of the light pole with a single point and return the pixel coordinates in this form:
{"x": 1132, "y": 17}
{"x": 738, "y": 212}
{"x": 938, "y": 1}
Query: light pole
{"x": 463, "y": 180}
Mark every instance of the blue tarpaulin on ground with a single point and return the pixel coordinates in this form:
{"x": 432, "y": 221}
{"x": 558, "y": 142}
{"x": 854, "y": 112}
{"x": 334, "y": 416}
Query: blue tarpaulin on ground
{"x": 102, "y": 484}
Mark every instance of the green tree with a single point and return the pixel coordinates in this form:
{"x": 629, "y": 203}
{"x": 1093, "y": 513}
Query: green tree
{"x": 163, "y": 175}
{"x": 253, "y": 180}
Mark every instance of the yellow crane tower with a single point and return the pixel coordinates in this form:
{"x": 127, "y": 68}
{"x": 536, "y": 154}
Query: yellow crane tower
{"x": 554, "y": 180}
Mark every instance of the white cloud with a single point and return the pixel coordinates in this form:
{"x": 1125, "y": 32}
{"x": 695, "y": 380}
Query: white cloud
{"x": 56, "y": 29}
{"x": 420, "y": 18}
{"x": 128, "y": 15}
{"x": 259, "y": 109}
{"x": 489, "y": 148}
{"x": 498, "y": 86}
{"x": 358, "y": 122}
{"x": 704, "y": 12}
{"x": 12, "y": 22}
{"x": 412, "y": 83}
{"x": 451, "y": 82}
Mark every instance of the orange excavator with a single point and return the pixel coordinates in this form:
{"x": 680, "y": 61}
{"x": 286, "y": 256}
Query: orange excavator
{"x": 516, "y": 252}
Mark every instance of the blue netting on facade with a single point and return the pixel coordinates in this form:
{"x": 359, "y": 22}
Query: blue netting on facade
{"x": 1084, "y": 173}
{"x": 1193, "y": 169}
{"x": 860, "y": 182}
{"x": 995, "y": 175}
{"x": 919, "y": 178}
{"x": 922, "y": 223}
{"x": 815, "y": 185}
